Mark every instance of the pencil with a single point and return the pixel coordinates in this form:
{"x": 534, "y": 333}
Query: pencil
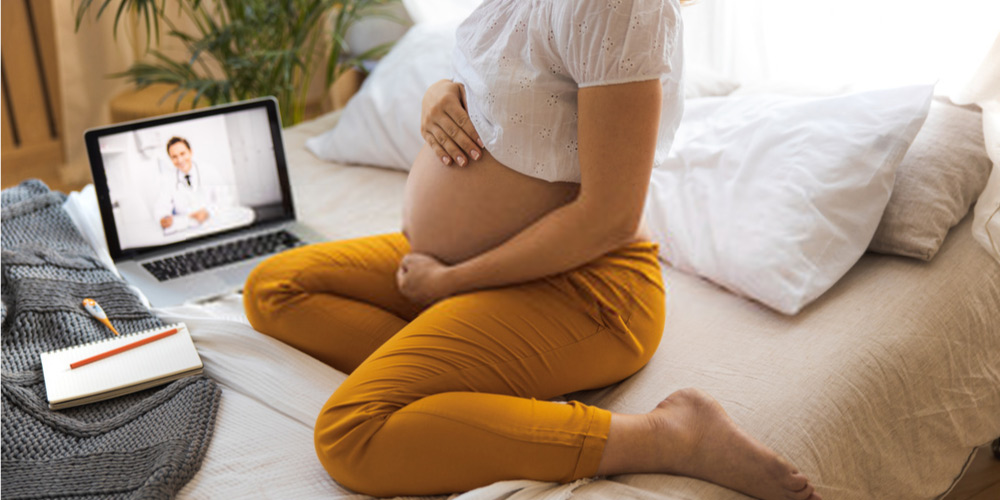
{"x": 122, "y": 349}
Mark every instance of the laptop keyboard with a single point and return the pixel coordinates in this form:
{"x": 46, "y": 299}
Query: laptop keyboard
{"x": 180, "y": 265}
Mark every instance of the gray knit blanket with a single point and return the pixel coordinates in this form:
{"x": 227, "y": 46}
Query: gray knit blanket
{"x": 144, "y": 445}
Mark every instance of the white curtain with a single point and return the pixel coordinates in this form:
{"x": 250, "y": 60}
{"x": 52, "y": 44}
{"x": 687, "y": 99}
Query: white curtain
{"x": 984, "y": 90}
{"x": 836, "y": 43}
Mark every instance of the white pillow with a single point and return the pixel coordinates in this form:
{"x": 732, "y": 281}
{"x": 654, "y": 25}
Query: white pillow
{"x": 439, "y": 10}
{"x": 811, "y": 89}
{"x": 776, "y": 197}
{"x": 706, "y": 82}
{"x": 380, "y": 125}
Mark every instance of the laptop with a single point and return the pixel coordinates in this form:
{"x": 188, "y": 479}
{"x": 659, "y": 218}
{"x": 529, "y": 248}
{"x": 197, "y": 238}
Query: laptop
{"x": 193, "y": 201}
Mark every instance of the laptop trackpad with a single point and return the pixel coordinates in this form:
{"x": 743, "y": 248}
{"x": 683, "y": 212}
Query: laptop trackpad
{"x": 197, "y": 287}
{"x": 232, "y": 278}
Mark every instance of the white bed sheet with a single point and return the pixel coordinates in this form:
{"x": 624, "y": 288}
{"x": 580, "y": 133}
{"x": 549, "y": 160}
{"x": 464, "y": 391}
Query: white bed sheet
{"x": 880, "y": 389}
{"x": 271, "y": 394}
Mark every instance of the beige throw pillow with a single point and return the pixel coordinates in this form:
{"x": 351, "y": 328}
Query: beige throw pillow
{"x": 942, "y": 174}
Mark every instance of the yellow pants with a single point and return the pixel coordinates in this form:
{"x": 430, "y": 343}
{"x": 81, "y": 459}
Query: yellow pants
{"x": 453, "y": 396}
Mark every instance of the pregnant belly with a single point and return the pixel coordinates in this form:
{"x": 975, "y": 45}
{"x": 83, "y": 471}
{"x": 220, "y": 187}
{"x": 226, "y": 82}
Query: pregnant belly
{"x": 455, "y": 213}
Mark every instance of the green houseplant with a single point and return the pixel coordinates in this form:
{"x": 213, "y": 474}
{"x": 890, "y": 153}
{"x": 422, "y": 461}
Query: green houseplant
{"x": 240, "y": 49}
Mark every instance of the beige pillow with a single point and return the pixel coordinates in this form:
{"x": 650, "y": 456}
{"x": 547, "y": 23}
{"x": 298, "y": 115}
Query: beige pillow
{"x": 941, "y": 175}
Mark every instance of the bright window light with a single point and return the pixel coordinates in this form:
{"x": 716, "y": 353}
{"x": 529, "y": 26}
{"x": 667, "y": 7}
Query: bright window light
{"x": 842, "y": 42}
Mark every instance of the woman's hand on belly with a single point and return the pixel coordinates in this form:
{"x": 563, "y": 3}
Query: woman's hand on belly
{"x": 423, "y": 279}
{"x": 445, "y": 123}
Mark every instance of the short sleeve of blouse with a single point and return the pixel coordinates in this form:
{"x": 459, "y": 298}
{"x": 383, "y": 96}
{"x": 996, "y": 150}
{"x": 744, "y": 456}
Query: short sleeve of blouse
{"x": 605, "y": 42}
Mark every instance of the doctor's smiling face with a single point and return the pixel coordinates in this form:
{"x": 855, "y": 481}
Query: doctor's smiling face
{"x": 180, "y": 153}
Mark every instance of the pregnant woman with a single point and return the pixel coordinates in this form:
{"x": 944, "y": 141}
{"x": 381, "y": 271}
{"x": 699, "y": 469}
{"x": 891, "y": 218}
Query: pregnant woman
{"x": 522, "y": 273}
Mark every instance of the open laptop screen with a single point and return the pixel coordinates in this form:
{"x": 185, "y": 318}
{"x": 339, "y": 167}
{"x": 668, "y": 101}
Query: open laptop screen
{"x": 167, "y": 181}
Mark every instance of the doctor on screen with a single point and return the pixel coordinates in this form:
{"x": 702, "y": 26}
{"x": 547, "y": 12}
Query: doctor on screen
{"x": 189, "y": 196}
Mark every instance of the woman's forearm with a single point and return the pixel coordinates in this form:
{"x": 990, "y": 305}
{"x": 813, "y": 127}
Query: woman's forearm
{"x": 563, "y": 239}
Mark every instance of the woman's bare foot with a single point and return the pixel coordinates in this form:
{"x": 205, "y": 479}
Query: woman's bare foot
{"x": 703, "y": 442}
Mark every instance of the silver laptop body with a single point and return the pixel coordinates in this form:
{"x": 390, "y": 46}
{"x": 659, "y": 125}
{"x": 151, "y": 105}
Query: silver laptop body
{"x": 191, "y": 202}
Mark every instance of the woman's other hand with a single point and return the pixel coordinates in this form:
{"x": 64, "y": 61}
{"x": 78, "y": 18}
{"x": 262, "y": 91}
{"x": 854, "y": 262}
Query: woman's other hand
{"x": 445, "y": 124}
{"x": 423, "y": 279}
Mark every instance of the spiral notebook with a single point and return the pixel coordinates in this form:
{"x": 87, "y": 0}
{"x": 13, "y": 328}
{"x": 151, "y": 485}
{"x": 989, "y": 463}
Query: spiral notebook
{"x": 118, "y": 366}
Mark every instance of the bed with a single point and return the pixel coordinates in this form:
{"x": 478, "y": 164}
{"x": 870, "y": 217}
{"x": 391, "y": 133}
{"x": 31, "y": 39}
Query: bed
{"x": 884, "y": 387}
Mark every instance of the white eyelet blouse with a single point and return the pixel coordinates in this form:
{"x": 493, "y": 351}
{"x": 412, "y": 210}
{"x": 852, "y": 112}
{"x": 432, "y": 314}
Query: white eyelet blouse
{"x": 523, "y": 61}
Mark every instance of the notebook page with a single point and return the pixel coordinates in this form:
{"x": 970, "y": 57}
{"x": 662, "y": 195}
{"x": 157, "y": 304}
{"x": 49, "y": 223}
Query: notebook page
{"x": 158, "y": 359}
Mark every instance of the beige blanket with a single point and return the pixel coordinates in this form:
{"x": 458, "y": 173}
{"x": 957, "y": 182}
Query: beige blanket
{"x": 880, "y": 389}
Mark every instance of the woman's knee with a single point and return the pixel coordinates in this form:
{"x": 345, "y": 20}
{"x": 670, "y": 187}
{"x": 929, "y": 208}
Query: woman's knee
{"x": 268, "y": 286}
{"x": 340, "y": 436}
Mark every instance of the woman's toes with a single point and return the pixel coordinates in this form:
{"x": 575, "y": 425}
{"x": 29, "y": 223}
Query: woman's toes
{"x": 795, "y": 480}
{"x": 802, "y": 494}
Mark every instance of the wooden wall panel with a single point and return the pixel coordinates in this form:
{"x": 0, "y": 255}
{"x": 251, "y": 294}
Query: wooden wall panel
{"x": 45, "y": 31}
{"x": 32, "y": 142}
{"x": 7, "y": 126}
{"x": 24, "y": 74}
